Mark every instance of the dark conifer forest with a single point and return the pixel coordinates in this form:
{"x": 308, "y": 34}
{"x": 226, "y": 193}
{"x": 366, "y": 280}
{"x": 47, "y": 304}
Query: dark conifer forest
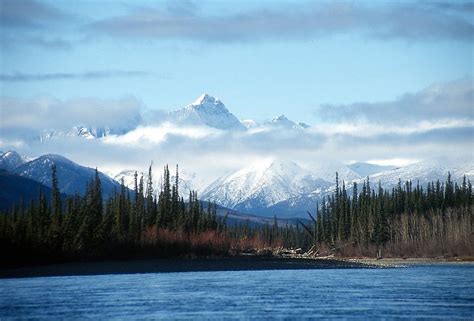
{"x": 408, "y": 220}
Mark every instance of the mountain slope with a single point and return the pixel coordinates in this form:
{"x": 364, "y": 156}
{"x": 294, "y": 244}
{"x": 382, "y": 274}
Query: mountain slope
{"x": 260, "y": 185}
{"x": 16, "y": 189}
{"x": 422, "y": 172}
{"x": 72, "y": 177}
{"x": 282, "y": 122}
{"x": 427, "y": 171}
{"x": 10, "y": 160}
{"x": 209, "y": 111}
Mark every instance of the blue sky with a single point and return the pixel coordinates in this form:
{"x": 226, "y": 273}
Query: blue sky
{"x": 379, "y": 80}
{"x": 259, "y": 77}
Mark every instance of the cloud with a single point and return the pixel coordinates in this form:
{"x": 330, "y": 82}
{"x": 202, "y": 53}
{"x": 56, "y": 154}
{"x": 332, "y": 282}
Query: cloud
{"x": 454, "y": 6}
{"x": 150, "y": 136}
{"x": 389, "y": 21}
{"x": 433, "y": 122}
{"x": 28, "y": 14}
{"x": 89, "y": 75}
{"x": 442, "y": 104}
{"x": 10, "y": 41}
{"x": 30, "y": 115}
{"x": 33, "y": 23}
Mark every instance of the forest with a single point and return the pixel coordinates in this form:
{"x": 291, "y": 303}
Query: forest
{"x": 407, "y": 221}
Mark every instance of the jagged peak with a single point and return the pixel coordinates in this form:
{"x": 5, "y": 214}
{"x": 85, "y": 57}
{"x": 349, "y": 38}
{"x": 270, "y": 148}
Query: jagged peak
{"x": 280, "y": 118}
{"x": 208, "y": 104}
{"x": 206, "y": 99}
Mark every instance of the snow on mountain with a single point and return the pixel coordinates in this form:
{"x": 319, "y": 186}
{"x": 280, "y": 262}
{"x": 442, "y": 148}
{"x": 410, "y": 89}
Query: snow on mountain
{"x": 72, "y": 177}
{"x": 282, "y": 122}
{"x": 366, "y": 169}
{"x": 422, "y": 172}
{"x": 84, "y": 131}
{"x": 204, "y": 111}
{"x": 262, "y": 184}
{"x": 209, "y": 111}
{"x": 427, "y": 171}
{"x": 11, "y": 160}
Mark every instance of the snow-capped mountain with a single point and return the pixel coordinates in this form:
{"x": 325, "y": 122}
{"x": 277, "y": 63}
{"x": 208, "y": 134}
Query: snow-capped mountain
{"x": 282, "y": 122}
{"x": 262, "y": 184}
{"x": 286, "y": 189}
{"x": 83, "y": 131}
{"x": 422, "y": 172}
{"x": 209, "y": 111}
{"x": 11, "y": 160}
{"x": 72, "y": 177}
{"x": 206, "y": 110}
{"x": 427, "y": 171}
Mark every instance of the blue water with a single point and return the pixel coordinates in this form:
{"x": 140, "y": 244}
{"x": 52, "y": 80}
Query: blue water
{"x": 436, "y": 291}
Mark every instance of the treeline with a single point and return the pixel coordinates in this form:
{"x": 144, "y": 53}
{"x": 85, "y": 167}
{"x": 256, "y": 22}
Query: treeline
{"x": 246, "y": 237}
{"x": 130, "y": 223}
{"x": 408, "y": 220}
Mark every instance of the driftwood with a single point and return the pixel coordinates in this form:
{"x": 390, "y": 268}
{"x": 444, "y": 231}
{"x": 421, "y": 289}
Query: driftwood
{"x": 314, "y": 252}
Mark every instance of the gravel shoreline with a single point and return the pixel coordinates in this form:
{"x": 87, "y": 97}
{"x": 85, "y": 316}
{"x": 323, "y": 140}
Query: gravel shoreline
{"x": 399, "y": 262}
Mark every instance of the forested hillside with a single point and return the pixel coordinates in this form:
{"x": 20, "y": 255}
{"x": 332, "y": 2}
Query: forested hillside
{"x": 409, "y": 220}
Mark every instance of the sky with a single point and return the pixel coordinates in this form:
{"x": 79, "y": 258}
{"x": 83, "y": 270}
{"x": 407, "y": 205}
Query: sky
{"x": 392, "y": 78}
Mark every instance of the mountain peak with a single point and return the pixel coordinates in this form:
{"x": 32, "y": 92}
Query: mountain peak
{"x": 205, "y": 99}
{"x": 280, "y": 118}
{"x": 283, "y": 121}
{"x": 208, "y": 104}
{"x": 210, "y": 111}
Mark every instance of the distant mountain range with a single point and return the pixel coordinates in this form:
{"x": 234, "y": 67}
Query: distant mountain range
{"x": 21, "y": 180}
{"x": 266, "y": 188}
{"x": 286, "y": 189}
{"x": 206, "y": 110}
{"x": 72, "y": 177}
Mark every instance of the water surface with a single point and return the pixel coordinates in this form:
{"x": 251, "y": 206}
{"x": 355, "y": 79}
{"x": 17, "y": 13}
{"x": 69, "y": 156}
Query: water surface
{"x": 432, "y": 291}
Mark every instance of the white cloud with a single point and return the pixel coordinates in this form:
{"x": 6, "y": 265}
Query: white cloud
{"x": 441, "y": 124}
{"x": 150, "y": 136}
{"x": 47, "y": 112}
{"x": 439, "y": 102}
{"x": 370, "y": 129}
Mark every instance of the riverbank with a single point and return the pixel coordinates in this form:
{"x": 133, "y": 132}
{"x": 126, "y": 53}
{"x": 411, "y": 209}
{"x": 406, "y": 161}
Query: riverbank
{"x": 400, "y": 262}
{"x": 240, "y": 263}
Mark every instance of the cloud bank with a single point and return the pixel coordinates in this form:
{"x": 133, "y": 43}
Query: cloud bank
{"x": 433, "y": 122}
{"x": 32, "y": 23}
{"x": 413, "y": 22}
{"x": 20, "y": 115}
{"x": 442, "y": 102}
{"x": 89, "y": 75}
